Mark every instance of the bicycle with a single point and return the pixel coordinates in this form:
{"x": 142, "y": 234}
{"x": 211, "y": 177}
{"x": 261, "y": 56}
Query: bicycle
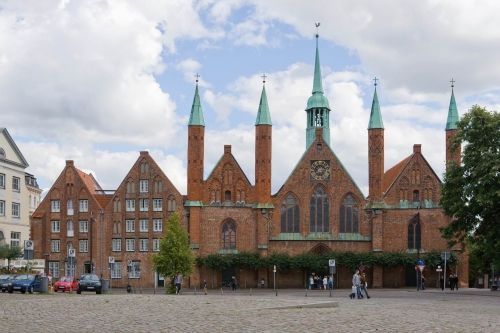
{"x": 227, "y": 284}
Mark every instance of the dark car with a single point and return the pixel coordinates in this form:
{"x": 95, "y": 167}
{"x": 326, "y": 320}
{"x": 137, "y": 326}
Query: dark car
{"x": 89, "y": 282}
{"x": 4, "y": 281}
{"x": 24, "y": 283}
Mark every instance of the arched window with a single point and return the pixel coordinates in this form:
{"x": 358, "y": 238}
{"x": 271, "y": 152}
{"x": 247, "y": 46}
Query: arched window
{"x": 414, "y": 233}
{"x": 290, "y": 214}
{"x": 227, "y": 196}
{"x": 416, "y": 196}
{"x": 70, "y": 207}
{"x": 320, "y": 211}
{"x": 349, "y": 215}
{"x": 229, "y": 235}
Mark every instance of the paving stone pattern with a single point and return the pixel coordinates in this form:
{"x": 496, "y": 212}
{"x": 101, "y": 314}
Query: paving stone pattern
{"x": 468, "y": 310}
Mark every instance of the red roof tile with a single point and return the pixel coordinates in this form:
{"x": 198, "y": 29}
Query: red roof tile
{"x": 393, "y": 173}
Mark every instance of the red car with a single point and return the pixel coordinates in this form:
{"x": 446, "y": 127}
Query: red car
{"x": 65, "y": 283}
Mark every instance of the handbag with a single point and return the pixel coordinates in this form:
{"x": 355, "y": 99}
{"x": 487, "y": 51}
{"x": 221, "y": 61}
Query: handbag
{"x": 354, "y": 290}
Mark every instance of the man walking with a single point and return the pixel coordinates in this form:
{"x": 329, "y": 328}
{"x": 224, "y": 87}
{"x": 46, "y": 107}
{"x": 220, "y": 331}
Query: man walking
{"x": 356, "y": 283}
{"x": 178, "y": 283}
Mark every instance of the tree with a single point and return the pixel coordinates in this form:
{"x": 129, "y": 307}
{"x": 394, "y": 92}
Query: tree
{"x": 175, "y": 255}
{"x": 470, "y": 193}
{"x": 10, "y": 253}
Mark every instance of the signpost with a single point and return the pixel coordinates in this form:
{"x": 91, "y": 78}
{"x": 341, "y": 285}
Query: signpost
{"x": 71, "y": 263}
{"x": 111, "y": 261}
{"x": 274, "y": 273}
{"x": 445, "y": 255}
{"x": 331, "y": 263}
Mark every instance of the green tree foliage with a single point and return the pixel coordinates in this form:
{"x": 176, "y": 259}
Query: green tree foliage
{"x": 175, "y": 255}
{"x": 10, "y": 253}
{"x": 470, "y": 193}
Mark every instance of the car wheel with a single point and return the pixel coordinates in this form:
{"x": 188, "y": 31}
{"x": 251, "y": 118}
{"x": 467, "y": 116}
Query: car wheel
{"x": 79, "y": 291}
{"x": 31, "y": 290}
{"x": 11, "y": 291}
{"x": 98, "y": 292}
{"x": 3, "y": 290}
{"x": 23, "y": 291}
{"x": 55, "y": 290}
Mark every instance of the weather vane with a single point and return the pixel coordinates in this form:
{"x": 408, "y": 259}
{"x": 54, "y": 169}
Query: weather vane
{"x": 197, "y": 76}
{"x": 317, "y": 32}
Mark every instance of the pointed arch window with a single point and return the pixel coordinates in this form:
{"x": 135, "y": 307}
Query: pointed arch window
{"x": 320, "y": 207}
{"x": 290, "y": 214}
{"x": 229, "y": 235}
{"x": 349, "y": 219}
{"x": 414, "y": 234}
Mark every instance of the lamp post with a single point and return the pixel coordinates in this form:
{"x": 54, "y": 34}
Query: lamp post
{"x": 46, "y": 264}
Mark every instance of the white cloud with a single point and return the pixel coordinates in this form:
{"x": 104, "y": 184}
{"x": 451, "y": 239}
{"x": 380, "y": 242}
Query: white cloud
{"x": 190, "y": 67}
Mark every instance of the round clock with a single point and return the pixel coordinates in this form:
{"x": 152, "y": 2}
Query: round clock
{"x": 320, "y": 170}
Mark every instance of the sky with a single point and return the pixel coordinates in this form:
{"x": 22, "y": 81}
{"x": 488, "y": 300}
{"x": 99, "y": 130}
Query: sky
{"x": 98, "y": 81}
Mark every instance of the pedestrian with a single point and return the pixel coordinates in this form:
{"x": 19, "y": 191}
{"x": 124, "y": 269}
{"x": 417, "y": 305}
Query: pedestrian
{"x": 205, "y": 286}
{"x": 330, "y": 282}
{"x": 450, "y": 282}
{"x": 455, "y": 281}
{"x": 235, "y": 284}
{"x": 441, "y": 282}
{"x": 364, "y": 283}
{"x": 423, "y": 282}
{"x": 262, "y": 282}
{"x": 325, "y": 282}
{"x": 356, "y": 283}
{"x": 178, "y": 283}
{"x": 50, "y": 281}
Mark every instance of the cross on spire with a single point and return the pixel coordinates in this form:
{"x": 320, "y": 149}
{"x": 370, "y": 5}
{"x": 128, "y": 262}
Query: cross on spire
{"x": 375, "y": 79}
{"x": 197, "y": 76}
{"x": 317, "y": 30}
{"x": 452, "y": 83}
{"x": 264, "y": 78}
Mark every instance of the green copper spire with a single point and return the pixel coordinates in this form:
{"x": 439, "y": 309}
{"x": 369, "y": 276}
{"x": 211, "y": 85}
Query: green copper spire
{"x": 263, "y": 116}
{"x": 196, "y": 116}
{"x": 375, "y": 115}
{"x": 317, "y": 100}
{"x": 451, "y": 122}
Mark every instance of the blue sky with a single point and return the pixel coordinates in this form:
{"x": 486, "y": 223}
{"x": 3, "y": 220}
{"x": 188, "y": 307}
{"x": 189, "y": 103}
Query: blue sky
{"x": 98, "y": 81}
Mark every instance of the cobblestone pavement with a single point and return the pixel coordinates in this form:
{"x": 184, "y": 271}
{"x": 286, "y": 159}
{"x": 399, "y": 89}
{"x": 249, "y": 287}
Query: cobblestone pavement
{"x": 389, "y": 310}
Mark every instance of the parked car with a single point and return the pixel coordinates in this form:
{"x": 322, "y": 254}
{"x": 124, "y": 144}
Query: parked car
{"x": 65, "y": 283}
{"x": 4, "y": 281}
{"x": 24, "y": 283}
{"x": 89, "y": 282}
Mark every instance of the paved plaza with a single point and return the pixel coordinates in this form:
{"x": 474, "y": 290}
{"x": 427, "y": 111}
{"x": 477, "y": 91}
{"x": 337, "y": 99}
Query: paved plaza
{"x": 389, "y": 310}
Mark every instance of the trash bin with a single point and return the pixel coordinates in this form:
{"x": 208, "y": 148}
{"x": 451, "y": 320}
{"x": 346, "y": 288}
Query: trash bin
{"x": 44, "y": 284}
{"x": 105, "y": 286}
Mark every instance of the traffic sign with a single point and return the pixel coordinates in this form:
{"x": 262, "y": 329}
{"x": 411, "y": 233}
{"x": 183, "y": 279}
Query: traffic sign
{"x": 111, "y": 260}
{"x": 439, "y": 269}
{"x": 331, "y": 262}
{"x": 28, "y": 245}
{"x": 445, "y": 255}
{"x": 129, "y": 262}
{"x": 421, "y": 267}
{"x": 421, "y": 262}
{"x": 71, "y": 253}
{"x": 274, "y": 269}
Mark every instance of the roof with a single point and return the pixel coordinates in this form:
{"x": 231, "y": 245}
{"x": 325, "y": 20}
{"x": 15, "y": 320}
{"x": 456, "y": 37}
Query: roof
{"x": 263, "y": 115}
{"x": 37, "y": 215}
{"x": 196, "y": 116}
{"x": 90, "y": 183}
{"x": 451, "y": 122}
{"x": 317, "y": 100}
{"x": 103, "y": 199}
{"x": 375, "y": 115}
{"x": 392, "y": 174}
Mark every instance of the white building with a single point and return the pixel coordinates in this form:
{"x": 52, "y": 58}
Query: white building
{"x": 19, "y": 193}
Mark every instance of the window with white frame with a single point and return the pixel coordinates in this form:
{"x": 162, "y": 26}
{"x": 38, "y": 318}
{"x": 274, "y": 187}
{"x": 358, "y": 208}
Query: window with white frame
{"x": 54, "y": 269}
{"x": 143, "y": 225}
{"x": 143, "y": 244}
{"x": 55, "y": 226}
{"x": 2, "y": 208}
{"x": 117, "y": 245}
{"x": 135, "y": 271}
{"x": 84, "y": 206}
{"x": 15, "y": 238}
{"x": 70, "y": 228}
{"x": 83, "y": 245}
{"x": 71, "y": 207}
{"x": 130, "y": 245}
{"x": 130, "y": 205}
{"x": 157, "y": 225}
{"x": 116, "y": 270}
{"x": 16, "y": 184}
{"x": 55, "y": 206}
{"x": 144, "y": 186}
{"x": 130, "y": 225}
{"x": 156, "y": 245}
{"x": 157, "y": 205}
{"x": 84, "y": 226}
{"x": 2, "y": 180}
{"x": 70, "y": 270}
{"x": 16, "y": 209}
{"x": 143, "y": 205}
{"x": 55, "y": 245}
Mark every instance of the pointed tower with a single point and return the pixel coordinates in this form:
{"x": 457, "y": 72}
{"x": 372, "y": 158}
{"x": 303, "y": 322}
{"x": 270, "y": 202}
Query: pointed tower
{"x": 196, "y": 148}
{"x": 318, "y": 108}
{"x": 263, "y": 149}
{"x": 451, "y": 130}
{"x": 375, "y": 150}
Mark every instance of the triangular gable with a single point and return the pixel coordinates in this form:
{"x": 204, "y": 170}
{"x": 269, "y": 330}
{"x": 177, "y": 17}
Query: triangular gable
{"x": 12, "y": 153}
{"x": 334, "y": 155}
{"x": 231, "y": 156}
{"x": 393, "y": 174}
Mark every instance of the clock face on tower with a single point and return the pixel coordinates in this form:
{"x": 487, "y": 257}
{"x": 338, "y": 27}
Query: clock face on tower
{"x": 320, "y": 170}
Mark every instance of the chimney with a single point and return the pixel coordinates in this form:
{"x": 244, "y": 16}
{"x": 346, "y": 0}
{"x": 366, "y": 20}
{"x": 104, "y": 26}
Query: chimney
{"x": 70, "y": 163}
{"x": 417, "y": 148}
{"x": 227, "y": 149}
{"x": 144, "y": 153}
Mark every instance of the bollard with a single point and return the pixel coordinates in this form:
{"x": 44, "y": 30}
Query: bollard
{"x": 221, "y": 291}
{"x": 141, "y": 289}
{"x": 306, "y": 292}
{"x": 250, "y": 291}
{"x": 195, "y": 290}
{"x": 276, "y": 292}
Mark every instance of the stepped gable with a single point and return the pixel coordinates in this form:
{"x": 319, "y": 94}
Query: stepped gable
{"x": 412, "y": 180}
{"x": 227, "y": 178}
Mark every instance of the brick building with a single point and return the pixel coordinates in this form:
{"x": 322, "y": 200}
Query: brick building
{"x": 319, "y": 208}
